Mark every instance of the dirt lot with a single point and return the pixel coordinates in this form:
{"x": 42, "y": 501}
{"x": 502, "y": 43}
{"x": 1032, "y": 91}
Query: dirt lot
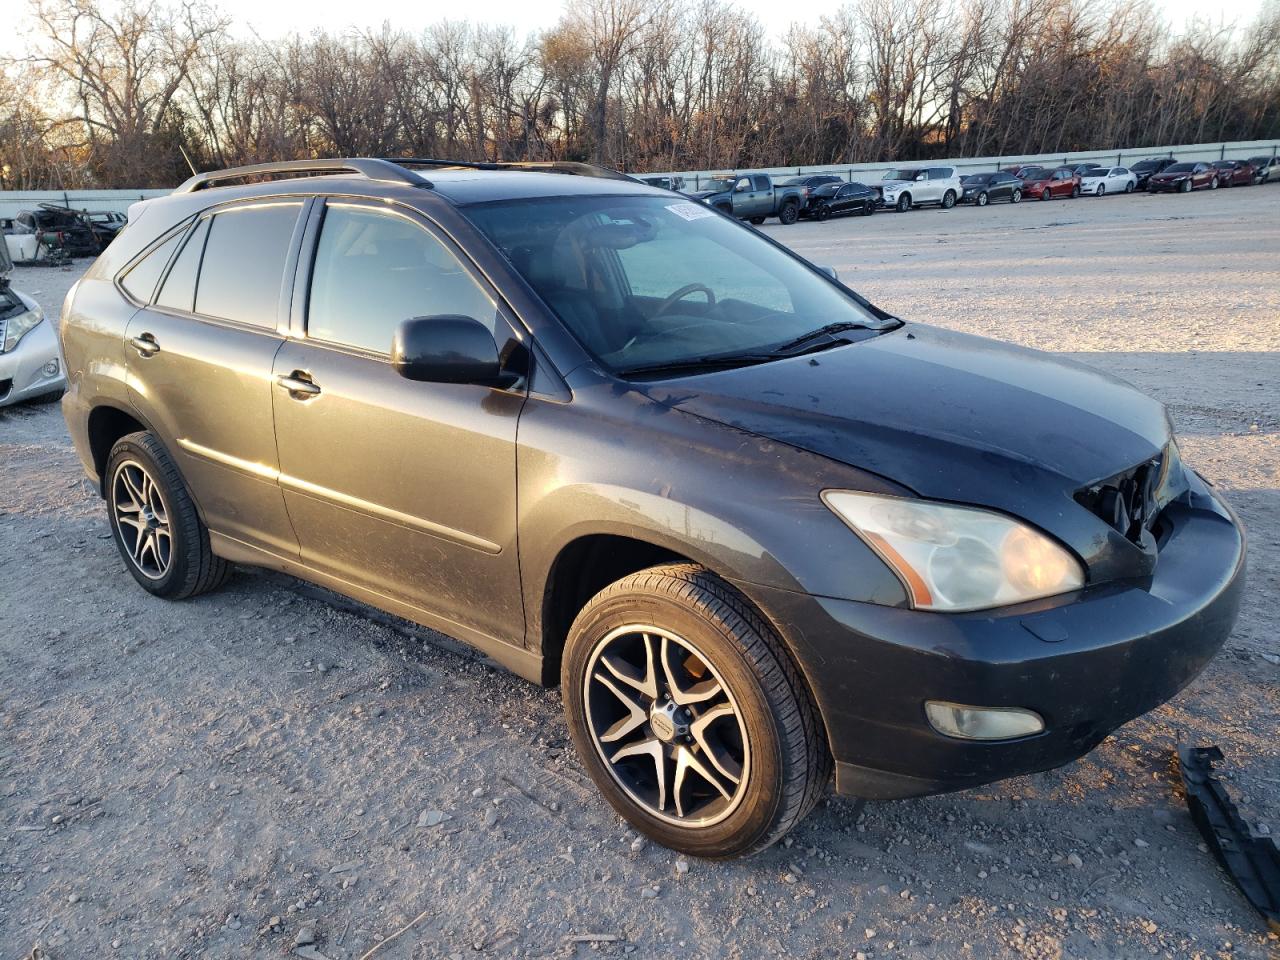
{"x": 210, "y": 778}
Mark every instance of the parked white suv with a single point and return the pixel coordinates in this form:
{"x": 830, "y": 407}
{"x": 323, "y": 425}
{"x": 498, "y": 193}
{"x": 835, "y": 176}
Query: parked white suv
{"x": 907, "y": 187}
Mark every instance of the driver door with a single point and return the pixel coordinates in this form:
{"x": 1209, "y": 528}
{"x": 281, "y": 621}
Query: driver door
{"x": 927, "y": 190}
{"x": 403, "y": 488}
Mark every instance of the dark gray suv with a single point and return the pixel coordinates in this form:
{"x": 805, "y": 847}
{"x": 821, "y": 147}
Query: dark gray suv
{"x": 756, "y": 526}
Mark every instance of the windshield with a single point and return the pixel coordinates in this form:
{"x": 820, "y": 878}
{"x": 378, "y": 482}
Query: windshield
{"x": 642, "y": 281}
{"x": 1180, "y": 168}
{"x": 903, "y": 174}
{"x": 976, "y": 178}
{"x": 720, "y": 183}
{"x": 1146, "y": 165}
{"x": 1094, "y": 172}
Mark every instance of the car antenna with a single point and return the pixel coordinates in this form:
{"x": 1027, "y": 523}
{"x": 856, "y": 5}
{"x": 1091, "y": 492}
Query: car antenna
{"x": 194, "y": 172}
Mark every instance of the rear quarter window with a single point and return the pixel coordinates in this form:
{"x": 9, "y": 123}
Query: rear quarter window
{"x": 140, "y": 282}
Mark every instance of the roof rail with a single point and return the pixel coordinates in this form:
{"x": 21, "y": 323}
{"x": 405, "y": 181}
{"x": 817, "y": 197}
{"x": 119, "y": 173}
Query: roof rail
{"x": 571, "y": 167}
{"x": 387, "y": 170}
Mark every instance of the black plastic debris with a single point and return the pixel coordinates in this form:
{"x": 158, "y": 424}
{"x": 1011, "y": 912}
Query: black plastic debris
{"x": 1253, "y": 861}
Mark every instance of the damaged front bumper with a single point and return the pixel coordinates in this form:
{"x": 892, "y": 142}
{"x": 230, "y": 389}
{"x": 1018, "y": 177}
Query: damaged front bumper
{"x": 1084, "y": 663}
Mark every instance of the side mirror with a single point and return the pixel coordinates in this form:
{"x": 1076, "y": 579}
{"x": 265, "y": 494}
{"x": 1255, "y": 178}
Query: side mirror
{"x": 448, "y": 349}
{"x": 829, "y": 271}
{"x": 922, "y": 176}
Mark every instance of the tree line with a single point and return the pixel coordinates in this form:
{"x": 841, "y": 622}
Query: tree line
{"x": 124, "y": 96}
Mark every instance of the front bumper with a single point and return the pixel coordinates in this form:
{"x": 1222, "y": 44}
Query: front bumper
{"x": 22, "y": 370}
{"x": 1159, "y": 186}
{"x": 1086, "y": 663}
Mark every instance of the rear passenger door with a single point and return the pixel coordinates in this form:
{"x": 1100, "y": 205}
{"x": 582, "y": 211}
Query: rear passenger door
{"x": 199, "y": 358}
{"x": 401, "y": 488}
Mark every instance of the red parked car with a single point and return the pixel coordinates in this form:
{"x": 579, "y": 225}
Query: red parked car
{"x": 1046, "y": 184}
{"x": 1185, "y": 177}
{"x": 1235, "y": 173}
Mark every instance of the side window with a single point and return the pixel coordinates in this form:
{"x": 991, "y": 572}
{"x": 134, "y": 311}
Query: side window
{"x": 373, "y": 269}
{"x": 179, "y": 290}
{"x": 143, "y": 276}
{"x": 860, "y": 187}
{"x": 243, "y": 265}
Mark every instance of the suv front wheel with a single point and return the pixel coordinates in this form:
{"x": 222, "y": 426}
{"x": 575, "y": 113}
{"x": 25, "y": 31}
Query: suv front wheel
{"x": 155, "y": 524}
{"x": 690, "y": 716}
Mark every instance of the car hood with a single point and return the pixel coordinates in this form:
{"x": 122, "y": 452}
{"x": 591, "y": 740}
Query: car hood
{"x": 703, "y": 194}
{"x": 1165, "y": 175}
{"x": 951, "y": 416}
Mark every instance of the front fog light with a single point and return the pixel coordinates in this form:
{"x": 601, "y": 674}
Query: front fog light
{"x": 50, "y": 369}
{"x": 982, "y": 723}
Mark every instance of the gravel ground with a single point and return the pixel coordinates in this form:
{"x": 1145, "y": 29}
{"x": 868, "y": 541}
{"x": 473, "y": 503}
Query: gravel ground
{"x": 228, "y": 776}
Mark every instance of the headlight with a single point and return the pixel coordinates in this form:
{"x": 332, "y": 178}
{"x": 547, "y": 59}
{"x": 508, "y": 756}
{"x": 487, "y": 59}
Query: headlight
{"x": 16, "y": 328}
{"x": 958, "y": 558}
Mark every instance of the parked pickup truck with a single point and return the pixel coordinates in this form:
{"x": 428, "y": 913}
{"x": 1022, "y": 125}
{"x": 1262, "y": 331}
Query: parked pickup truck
{"x": 753, "y": 197}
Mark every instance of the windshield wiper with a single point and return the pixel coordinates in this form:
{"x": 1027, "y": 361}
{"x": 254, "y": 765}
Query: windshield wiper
{"x": 829, "y": 330}
{"x": 719, "y": 362}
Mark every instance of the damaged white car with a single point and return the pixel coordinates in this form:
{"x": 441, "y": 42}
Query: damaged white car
{"x": 30, "y": 362}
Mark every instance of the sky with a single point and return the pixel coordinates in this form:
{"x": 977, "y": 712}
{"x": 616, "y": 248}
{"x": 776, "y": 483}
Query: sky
{"x": 272, "y": 19}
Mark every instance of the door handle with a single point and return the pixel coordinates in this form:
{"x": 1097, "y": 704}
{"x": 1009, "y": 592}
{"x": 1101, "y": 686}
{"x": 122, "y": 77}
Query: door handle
{"x": 145, "y": 344}
{"x": 299, "y": 385}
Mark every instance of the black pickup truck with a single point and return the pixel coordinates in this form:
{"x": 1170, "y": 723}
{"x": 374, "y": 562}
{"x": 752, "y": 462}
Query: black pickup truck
{"x": 754, "y": 197}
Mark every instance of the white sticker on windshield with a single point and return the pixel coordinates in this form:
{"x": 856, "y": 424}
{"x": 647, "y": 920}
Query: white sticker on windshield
{"x": 690, "y": 211}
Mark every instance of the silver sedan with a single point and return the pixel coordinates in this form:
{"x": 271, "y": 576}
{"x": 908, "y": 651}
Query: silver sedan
{"x": 30, "y": 361}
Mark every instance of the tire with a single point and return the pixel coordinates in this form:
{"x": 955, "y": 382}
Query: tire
{"x": 868, "y": 208}
{"x": 1102, "y": 190}
{"x": 1186, "y": 186}
{"x": 142, "y": 482}
{"x": 822, "y": 213}
{"x": 1015, "y": 197}
{"x": 756, "y": 221}
{"x": 1128, "y": 187}
{"x": 948, "y": 200}
{"x": 1075, "y": 191}
{"x": 1046, "y": 194}
{"x": 1213, "y": 184}
{"x": 789, "y": 213}
{"x": 904, "y": 202}
{"x": 982, "y": 199}
{"x": 784, "y": 763}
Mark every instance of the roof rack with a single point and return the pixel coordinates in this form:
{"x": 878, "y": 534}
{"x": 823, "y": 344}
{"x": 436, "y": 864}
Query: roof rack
{"x": 570, "y": 167}
{"x": 371, "y": 169}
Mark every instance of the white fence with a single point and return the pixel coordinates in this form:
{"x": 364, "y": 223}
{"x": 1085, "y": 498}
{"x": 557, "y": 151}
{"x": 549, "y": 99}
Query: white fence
{"x": 1240, "y": 150}
{"x": 11, "y": 201}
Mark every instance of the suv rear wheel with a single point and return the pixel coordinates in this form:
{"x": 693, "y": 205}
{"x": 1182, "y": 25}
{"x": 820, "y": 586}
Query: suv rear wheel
{"x": 948, "y": 200}
{"x": 690, "y": 716}
{"x": 155, "y": 524}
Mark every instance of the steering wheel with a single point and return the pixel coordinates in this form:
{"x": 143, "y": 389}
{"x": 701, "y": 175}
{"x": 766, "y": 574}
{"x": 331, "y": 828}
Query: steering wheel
{"x": 683, "y": 292}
